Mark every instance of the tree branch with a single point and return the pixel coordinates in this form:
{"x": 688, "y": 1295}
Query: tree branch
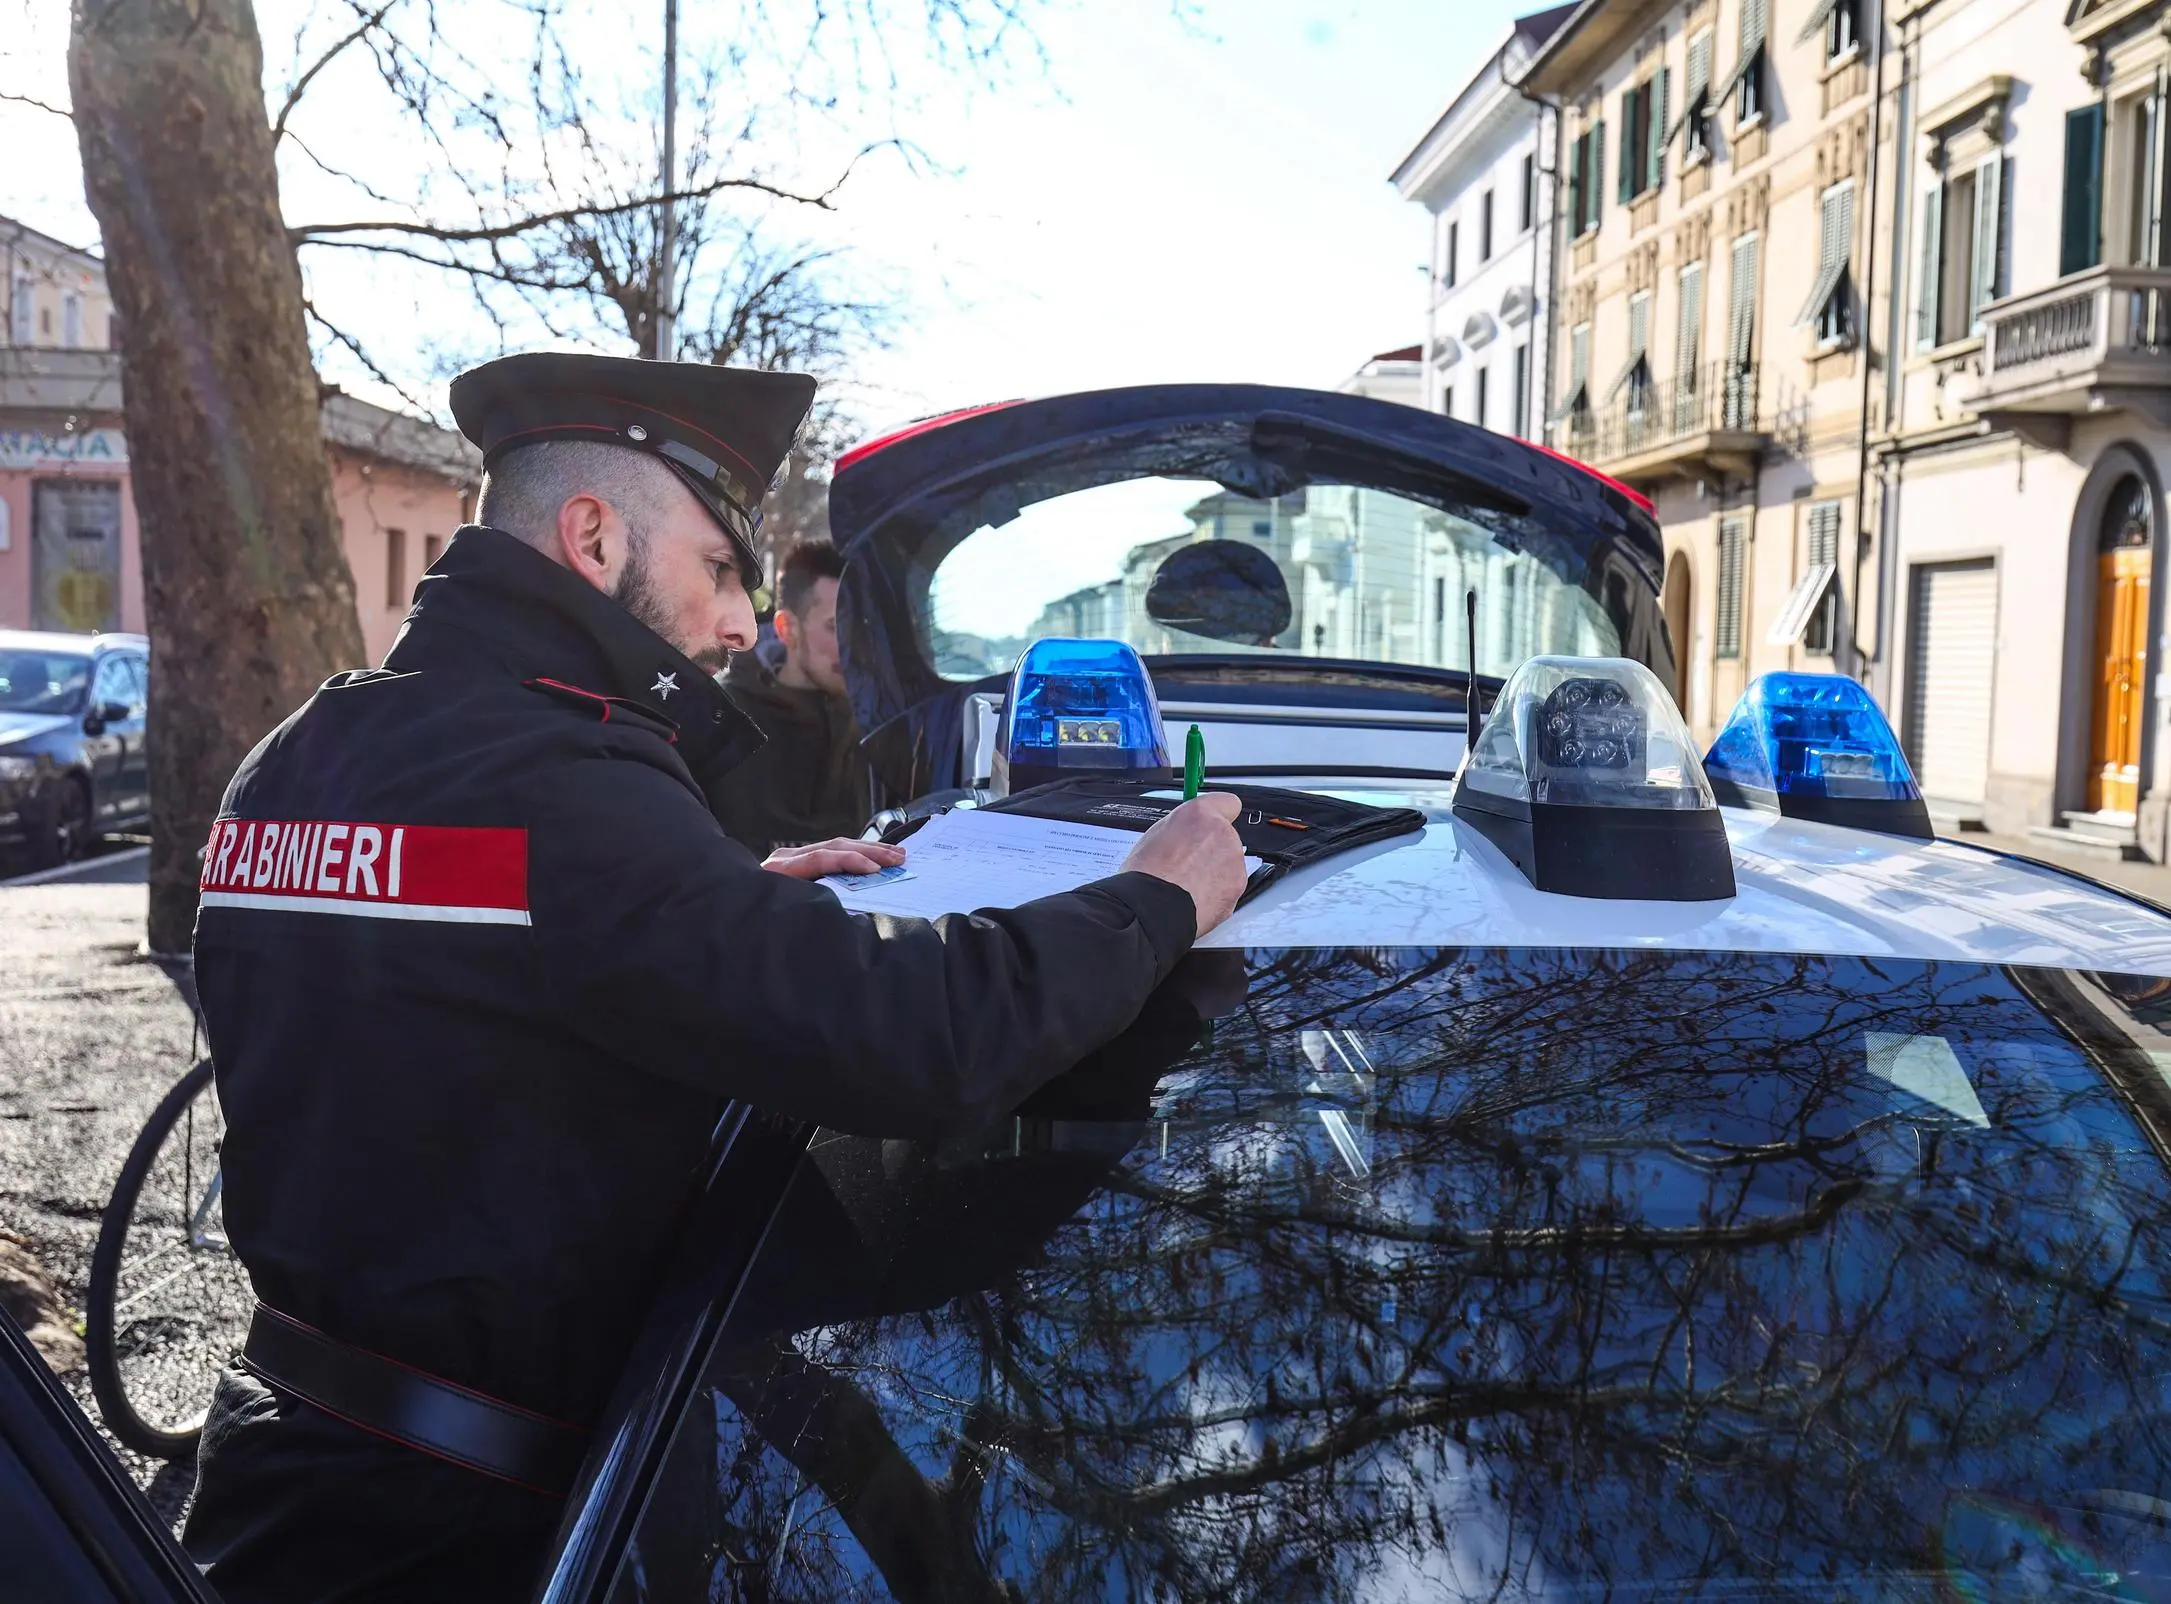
{"x": 369, "y": 21}
{"x": 308, "y": 233}
{"x": 35, "y": 105}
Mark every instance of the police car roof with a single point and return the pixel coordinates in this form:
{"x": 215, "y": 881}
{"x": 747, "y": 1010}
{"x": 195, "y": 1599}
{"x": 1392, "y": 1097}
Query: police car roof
{"x": 1800, "y": 887}
{"x": 53, "y": 640}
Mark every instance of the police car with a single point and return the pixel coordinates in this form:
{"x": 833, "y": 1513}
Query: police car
{"x": 1668, "y": 1173}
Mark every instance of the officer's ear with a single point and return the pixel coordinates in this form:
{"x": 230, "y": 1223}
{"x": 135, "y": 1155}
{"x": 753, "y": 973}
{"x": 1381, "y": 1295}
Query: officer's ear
{"x": 787, "y": 628}
{"x": 583, "y": 543}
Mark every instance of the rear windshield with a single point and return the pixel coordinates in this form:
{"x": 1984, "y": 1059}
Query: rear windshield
{"x": 1329, "y": 571}
{"x": 1486, "y": 1275}
{"x": 41, "y": 682}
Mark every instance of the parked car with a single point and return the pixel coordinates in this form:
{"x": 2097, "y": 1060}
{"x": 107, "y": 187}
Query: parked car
{"x": 74, "y": 765}
{"x": 1602, "y": 1191}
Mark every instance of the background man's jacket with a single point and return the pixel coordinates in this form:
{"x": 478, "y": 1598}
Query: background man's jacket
{"x": 808, "y": 782}
{"x": 480, "y": 972}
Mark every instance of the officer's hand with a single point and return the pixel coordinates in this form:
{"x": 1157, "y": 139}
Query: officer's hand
{"x": 1196, "y": 847}
{"x": 841, "y": 856}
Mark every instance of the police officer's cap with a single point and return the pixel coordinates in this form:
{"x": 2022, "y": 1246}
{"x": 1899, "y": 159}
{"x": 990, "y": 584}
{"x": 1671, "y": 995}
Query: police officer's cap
{"x": 724, "y": 431}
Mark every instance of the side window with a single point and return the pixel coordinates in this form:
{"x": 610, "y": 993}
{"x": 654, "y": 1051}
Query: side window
{"x": 115, "y": 683}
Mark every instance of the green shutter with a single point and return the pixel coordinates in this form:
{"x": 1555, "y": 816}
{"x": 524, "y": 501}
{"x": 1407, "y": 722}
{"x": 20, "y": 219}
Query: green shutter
{"x": 1933, "y": 266}
{"x": 1989, "y": 239}
{"x": 1597, "y": 186}
{"x": 1654, "y": 143}
{"x": 1625, "y": 179}
{"x": 2080, "y": 237}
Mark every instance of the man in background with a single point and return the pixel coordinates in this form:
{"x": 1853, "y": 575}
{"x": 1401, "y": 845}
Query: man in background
{"x": 809, "y": 783}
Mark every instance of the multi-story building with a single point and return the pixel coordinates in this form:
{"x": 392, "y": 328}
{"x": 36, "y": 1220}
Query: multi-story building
{"x": 2024, "y": 430}
{"x": 56, "y": 293}
{"x": 1484, "y": 172}
{"x": 70, "y": 546}
{"x": 1719, "y": 318}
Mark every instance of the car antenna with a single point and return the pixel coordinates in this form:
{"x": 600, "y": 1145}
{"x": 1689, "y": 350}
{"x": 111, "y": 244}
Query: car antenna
{"x": 1473, "y": 719}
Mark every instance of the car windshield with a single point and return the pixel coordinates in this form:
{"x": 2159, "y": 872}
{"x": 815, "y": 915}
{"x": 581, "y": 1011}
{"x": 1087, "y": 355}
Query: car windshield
{"x": 42, "y": 682}
{"x": 1479, "y": 1274}
{"x": 1329, "y": 571}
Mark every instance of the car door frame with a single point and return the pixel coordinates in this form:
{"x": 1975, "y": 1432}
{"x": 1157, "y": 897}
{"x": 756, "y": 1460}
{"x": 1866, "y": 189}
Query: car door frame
{"x": 61, "y": 1457}
{"x": 136, "y": 746}
{"x": 105, "y": 751}
{"x": 752, "y": 1158}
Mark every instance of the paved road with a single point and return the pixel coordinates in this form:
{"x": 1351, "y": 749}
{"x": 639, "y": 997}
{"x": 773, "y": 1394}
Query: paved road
{"x": 91, "y": 1033}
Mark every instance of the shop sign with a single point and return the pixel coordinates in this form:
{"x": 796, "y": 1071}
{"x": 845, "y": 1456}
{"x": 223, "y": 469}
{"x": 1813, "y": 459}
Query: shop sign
{"x": 81, "y": 448}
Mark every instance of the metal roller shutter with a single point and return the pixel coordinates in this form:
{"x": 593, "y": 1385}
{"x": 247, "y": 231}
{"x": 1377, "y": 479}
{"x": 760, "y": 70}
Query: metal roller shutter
{"x": 1952, "y": 652}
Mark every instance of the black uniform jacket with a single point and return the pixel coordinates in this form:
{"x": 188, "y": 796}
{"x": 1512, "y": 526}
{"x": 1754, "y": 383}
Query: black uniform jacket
{"x": 479, "y": 971}
{"x": 808, "y": 782}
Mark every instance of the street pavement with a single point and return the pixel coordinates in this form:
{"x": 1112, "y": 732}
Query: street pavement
{"x": 92, "y": 1033}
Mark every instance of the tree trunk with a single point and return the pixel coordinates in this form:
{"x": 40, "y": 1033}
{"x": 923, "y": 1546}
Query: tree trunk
{"x": 250, "y": 601}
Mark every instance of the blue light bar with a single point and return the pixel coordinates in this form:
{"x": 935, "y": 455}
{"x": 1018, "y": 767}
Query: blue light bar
{"x": 1815, "y": 746}
{"x": 1079, "y": 705}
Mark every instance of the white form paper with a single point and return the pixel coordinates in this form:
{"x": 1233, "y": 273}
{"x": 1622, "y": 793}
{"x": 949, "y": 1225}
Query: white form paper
{"x": 967, "y": 859}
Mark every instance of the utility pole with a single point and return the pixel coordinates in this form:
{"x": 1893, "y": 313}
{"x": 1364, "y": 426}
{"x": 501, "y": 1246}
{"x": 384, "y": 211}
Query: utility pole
{"x": 665, "y": 325}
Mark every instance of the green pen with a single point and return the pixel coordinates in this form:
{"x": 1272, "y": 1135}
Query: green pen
{"x": 1194, "y": 763}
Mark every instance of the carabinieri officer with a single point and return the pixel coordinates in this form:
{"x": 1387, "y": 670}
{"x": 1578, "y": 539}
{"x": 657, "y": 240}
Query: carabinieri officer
{"x": 480, "y": 970}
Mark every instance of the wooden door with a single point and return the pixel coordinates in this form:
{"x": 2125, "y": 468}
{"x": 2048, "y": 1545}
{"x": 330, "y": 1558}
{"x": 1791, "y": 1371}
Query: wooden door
{"x": 2114, "y": 774}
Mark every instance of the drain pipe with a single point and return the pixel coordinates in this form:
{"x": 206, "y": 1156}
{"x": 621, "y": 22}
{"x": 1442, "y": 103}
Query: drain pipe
{"x": 1869, "y": 289}
{"x": 1551, "y": 214}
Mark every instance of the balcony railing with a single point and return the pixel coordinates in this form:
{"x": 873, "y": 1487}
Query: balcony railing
{"x": 1648, "y": 416}
{"x": 2100, "y": 331}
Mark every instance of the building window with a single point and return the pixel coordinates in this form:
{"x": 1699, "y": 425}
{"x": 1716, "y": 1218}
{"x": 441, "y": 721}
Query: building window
{"x": 1520, "y": 422}
{"x": 1688, "y": 347}
{"x": 1822, "y": 627}
{"x": 21, "y": 318}
{"x": 1485, "y": 227}
{"x": 395, "y": 569}
{"x": 1739, "y": 401}
{"x": 71, "y": 321}
{"x": 1745, "y": 84}
{"x": 1454, "y": 249}
{"x": 1726, "y": 627}
{"x": 2145, "y": 121}
{"x": 1529, "y": 193}
{"x": 1694, "y": 124}
{"x": 1831, "y": 299}
{"x": 1634, "y": 383}
{"x": 1643, "y": 136}
{"x": 1963, "y": 252}
{"x": 1578, "y": 408}
{"x": 2080, "y": 231}
{"x": 1447, "y": 402}
{"x": 1586, "y": 179}
{"x": 1484, "y": 389}
{"x": 433, "y": 547}
{"x": 1840, "y": 22}
{"x": 1262, "y": 529}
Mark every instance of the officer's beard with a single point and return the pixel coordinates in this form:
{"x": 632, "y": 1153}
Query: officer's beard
{"x": 636, "y": 593}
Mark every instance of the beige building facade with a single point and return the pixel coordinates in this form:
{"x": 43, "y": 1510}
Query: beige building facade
{"x": 1717, "y": 313}
{"x": 1870, "y": 296}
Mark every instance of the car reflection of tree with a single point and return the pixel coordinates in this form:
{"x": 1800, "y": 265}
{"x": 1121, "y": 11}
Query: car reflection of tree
{"x": 1650, "y": 1288}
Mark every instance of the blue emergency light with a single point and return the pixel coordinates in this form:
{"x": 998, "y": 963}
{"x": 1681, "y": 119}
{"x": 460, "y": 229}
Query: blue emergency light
{"x": 1079, "y": 706}
{"x": 1815, "y": 746}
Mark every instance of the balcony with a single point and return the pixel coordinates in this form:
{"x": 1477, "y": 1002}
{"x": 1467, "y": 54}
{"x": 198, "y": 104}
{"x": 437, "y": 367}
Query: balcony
{"x": 36, "y": 378}
{"x": 1704, "y": 424}
{"x": 2099, "y": 341}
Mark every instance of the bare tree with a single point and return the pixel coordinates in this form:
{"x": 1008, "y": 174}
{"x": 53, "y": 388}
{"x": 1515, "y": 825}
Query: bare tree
{"x": 249, "y": 600}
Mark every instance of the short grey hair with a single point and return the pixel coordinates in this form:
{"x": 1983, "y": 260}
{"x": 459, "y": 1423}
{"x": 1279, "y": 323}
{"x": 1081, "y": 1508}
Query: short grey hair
{"x": 523, "y": 492}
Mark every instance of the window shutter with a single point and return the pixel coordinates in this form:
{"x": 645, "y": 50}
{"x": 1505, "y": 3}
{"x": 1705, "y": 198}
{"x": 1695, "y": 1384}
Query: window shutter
{"x": 1576, "y": 159}
{"x": 1726, "y": 636}
{"x": 1579, "y": 357}
{"x": 1933, "y": 267}
{"x": 1823, "y": 533}
{"x": 1654, "y": 143}
{"x": 1597, "y": 188}
{"x": 2081, "y": 226}
{"x": 1755, "y": 24}
{"x": 1639, "y": 323}
{"x": 1625, "y": 178}
{"x": 1688, "y": 341}
{"x": 1989, "y": 235}
{"x": 1741, "y": 303}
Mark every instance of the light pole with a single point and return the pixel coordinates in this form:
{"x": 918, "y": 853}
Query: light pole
{"x": 666, "y": 325}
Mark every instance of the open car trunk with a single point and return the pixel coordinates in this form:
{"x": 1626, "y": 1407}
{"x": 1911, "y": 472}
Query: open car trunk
{"x": 899, "y": 507}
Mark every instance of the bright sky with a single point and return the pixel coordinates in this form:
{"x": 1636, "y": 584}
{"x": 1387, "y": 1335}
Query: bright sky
{"x": 1173, "y": 198}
